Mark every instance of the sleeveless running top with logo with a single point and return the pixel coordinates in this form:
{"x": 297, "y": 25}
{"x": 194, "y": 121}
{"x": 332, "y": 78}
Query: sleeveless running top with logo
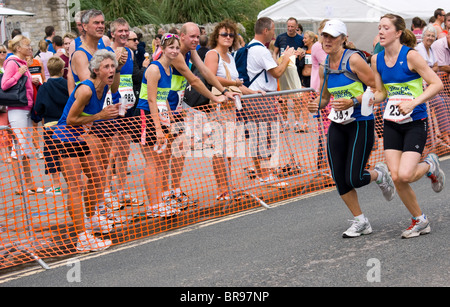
{"x": 126, "y": 81}
{"x": 178, "y": 86}
{"x": 164, "y": 88}
{"x": 400, "y": 81}
{"x": 71, "y": 133}
{"x": 340, "y": 86}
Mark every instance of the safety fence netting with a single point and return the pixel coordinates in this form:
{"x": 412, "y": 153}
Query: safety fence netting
{"x": 119, "y": 181}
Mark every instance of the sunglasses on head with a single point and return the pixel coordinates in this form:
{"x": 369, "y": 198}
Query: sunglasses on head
{"x": 224, "y": 34}
{"x": 167, "y": 36}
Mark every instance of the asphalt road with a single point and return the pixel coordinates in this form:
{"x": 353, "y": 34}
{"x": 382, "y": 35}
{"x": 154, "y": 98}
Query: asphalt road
{"x": 293, "y": 244}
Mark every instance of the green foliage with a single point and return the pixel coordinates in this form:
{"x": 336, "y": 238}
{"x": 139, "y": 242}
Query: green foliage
{"x": 142, "y": 12}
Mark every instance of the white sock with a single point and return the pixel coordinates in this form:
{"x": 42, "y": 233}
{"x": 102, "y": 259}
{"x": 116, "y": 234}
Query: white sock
{"x": 360, "y": 218}
{"x": 380, "y": 176}
{"x": 431, "y": 170}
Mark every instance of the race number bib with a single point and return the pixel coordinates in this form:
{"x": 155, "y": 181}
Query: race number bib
{"x": 127, "y": 94}
{"x": 392, "y": 113}
{"x": 108, "y": 99}
{"x": 163, "y": 114}
{"x": 341, "y": 117}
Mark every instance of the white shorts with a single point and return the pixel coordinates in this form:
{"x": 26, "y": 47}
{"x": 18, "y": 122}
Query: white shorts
{"x": 20, "y": 122}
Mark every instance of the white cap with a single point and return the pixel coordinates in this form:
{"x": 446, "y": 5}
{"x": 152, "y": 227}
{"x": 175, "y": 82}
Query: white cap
{"x": 335, "y": 28}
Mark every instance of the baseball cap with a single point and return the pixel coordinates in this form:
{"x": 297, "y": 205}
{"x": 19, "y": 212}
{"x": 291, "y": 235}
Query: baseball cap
{"x": 335, "y": 28}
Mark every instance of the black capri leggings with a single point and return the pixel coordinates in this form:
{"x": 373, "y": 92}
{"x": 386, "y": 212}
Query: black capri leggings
{"x": 349, "y": 148}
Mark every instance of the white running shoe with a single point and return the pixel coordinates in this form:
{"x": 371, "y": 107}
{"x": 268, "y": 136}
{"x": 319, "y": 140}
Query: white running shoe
{"x": 162, "y": 210}
{"x": 55, "y": 191}
{"x": 358, "y": 228}
{"x": 98, "y": 223}
{"x": 88, "y": 242}
{"x": 386, "y": 184}
{"x": 418, "y": 227}
{"x": 437, "y": 176}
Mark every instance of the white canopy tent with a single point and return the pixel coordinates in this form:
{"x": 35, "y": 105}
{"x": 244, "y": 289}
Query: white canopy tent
{"x": 360, "y": 16}
{"x": 4, "y": 12}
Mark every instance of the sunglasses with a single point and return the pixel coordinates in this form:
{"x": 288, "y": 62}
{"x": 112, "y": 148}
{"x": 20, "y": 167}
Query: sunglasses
{"x": 167, "y": 36}
{"x": 3, "y": 52}
{"x": 231, "y": 35}
{"x": 133, "y": 39}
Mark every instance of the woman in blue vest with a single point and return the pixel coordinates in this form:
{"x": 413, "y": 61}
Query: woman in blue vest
{"x": 155, "y": 118}
{"x": 83, "y": 111}
{"x": 351, "y": 135}
{"x": 399, "y": 73}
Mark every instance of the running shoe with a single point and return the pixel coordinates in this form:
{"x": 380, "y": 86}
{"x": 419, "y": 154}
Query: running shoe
{"x": 55, "y": 191}
{"x": 358, "y": 228}
{"x": 98, "y": 223}
{"x": 182, "y": 201}
{"x": 272, "y": 179}
{"x": 418, "y": 227}
{"x": 224, "y": 196}
{"x": 386, "y": 183}
{"x": 88, "y": 242}
{"x": 437, "y": 176}
{"x": 162, "y": 210}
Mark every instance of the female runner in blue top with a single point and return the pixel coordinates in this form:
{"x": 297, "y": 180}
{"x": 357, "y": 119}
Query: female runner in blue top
{"x": 155, "y": 119}
{"x": 83, "y": 110}
{"x": 351, "y": 135}
{"x": 398, "y": 74}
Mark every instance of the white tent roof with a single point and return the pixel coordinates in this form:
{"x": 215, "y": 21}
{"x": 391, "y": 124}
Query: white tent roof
{"x": 361, "y": 16}
{"x": 352, "y": 10}
{"x": 11, "y": 12}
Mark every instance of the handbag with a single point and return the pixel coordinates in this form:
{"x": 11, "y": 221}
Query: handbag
{"x": 231, "y": 88}
{"x": 193, "y": 98}
{"x": 16, "y": 96}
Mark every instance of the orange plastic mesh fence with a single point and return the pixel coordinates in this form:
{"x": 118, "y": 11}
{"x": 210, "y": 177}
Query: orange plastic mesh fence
{"x": 217, "y": 161}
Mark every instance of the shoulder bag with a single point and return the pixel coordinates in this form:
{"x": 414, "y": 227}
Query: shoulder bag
{"x": 16, "y": 96}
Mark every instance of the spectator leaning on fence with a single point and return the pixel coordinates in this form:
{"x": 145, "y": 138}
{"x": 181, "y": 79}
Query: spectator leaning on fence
{"x": 181, "y": 75}
{"x": 261, "y": 113}
{"x": 219, "y": 60}
{"x": 154, "y": 115}
{"x": 83, "y": 110}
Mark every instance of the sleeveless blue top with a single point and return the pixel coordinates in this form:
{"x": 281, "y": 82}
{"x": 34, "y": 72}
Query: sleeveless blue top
{"x": 340, "y": 86}
{"x": 71, "y": 133}
{"x": 164, "y": 88}
{"x": 178, "y": 84}
{"x": 89, "y": 57}
{"x": 400, "y": 80}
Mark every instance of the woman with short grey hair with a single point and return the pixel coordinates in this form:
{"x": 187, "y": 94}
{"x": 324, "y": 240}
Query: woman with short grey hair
{"x": 86, "y": 116}
{"x": 429, "y": 36}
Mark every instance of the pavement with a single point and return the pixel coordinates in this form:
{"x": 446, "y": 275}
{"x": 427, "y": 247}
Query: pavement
{"x": 295, "y": 243}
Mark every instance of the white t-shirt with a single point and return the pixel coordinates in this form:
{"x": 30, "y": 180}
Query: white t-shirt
{"x": 259, "y": 58}
{"x": 430, "y": 58}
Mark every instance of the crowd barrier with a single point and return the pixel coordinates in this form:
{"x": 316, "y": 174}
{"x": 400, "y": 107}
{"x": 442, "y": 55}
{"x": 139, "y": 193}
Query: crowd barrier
{"x": 211, "y": 155}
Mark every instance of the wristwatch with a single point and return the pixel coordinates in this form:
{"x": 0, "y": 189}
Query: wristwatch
{"x": 224, "y": 91}
{"x": 355, "y": 101}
